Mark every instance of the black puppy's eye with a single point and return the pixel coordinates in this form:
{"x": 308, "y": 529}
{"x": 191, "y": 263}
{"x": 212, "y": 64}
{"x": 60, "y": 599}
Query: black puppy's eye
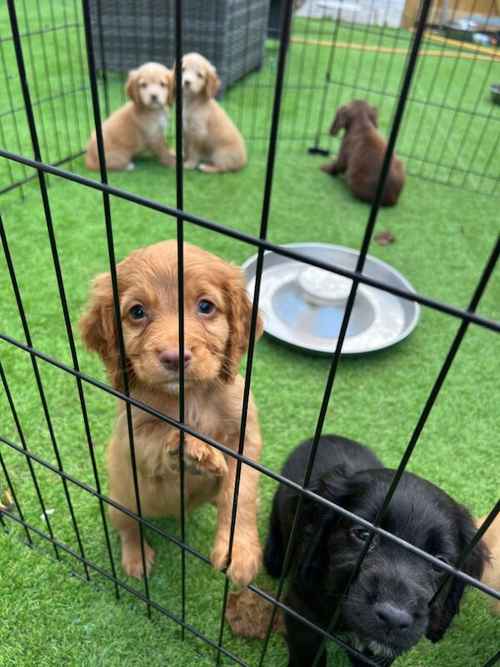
{"x": 205, "y": 307}
{"x": 361, "y": 534}
{"x": 137, "y": 312}
{"x": 443, "y": 559}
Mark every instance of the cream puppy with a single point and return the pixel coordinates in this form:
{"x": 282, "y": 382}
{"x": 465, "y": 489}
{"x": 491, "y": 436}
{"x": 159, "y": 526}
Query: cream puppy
{"x": 211, "y": 140}
{"x": 140, "y": 124}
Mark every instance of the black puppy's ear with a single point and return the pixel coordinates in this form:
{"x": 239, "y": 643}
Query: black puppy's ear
{"x": 448, "y": 602}
{"x": 318, "y": 521}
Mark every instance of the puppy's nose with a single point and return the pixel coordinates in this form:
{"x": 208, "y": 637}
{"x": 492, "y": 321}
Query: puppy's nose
{"x": 170, "y": 359}
{"x": 393, "y": 617}
{"x": 186, "y": 83}
{"x": 154, "y": 97}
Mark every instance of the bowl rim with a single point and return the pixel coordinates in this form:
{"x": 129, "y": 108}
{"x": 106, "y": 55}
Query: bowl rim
{"x": 304, "y": 246}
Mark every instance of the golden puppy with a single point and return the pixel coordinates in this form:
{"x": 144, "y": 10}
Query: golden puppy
{"x": 211, "y": 140}
{"x": 217, "y": 316}
{"x": 140, "y": 124}
{"x": 491, "y": 574}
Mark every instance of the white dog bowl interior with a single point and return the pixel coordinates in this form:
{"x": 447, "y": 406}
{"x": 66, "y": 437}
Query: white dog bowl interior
{"x": 304, "y": 306}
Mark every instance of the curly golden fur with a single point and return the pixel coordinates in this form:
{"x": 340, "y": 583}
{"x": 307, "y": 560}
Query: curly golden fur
{"x": 139, "y": 125}
{"x": 491, "y": 574}
{"x": 212, "y": 143}
{"x": 216, "y": 319}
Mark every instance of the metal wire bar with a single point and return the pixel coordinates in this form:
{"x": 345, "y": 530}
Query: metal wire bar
{"x": 488, "y": 270}
{"x": 114, "y": 278}
{"x": 8, "y": 479}
{"x": 34, "y": 77}
{"x": 49, "y": 84}
{"x": 103, "y": 72}
{"x": 82, "y": 66}
{"x": 254, "y": 241}
{"x": 467, "y": 551}
{"x": 48, "y": 219}
{"x": 328, "y": 73}
{"x": 430, "y": 91}
{"x": 43, "y": 31}
{"x": 299, "y": 489}
{"x": 11, "y": 105}
{"x": 264, "y": 223}
{"x": 144, "y": 598}
{"x": 370, "y": 225}
{"x": 179, "y": 182}
{"x": 494, "y": 660}
{"x": 74, "y": 357}
{"x": 69, "y": 51}
{"x": 465, "y": 86}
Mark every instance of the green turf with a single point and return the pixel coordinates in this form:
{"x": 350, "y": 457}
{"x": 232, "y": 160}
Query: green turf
{"x": 443, "y": 238}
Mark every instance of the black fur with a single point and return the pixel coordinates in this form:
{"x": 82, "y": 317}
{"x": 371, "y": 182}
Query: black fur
{"x": 386, "y": 611}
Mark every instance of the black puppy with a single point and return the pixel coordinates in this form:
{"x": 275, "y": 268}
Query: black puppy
{"x": 386, "y": 610}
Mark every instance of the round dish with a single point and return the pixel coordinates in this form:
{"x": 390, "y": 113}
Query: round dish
{"x": 302, "y": 307}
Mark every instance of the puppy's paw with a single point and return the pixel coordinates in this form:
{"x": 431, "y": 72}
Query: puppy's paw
{"x": 328, "y": 168}
{"x": 199, "y": 458}
{"x": 130, "y": 167}
{"x": 246, "y": 561}
{"x": 132, "y": 559}
{"x": 209, "y": 168}
{"x": 190, "y": 164}
{"x": 170, "y": 160}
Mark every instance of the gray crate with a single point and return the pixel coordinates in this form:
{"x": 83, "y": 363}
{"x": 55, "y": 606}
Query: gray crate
{"x": 230, "y": 33}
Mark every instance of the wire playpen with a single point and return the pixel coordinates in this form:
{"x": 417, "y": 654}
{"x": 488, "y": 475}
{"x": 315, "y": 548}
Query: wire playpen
{"x": 303, "y": 74}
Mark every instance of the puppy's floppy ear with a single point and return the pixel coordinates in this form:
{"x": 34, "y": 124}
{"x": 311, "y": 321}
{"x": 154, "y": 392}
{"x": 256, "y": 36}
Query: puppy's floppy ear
{"x": 239, "y": 318}
{"x": 373, "y": 115}
{"x": 339, "y": 122}
{"x": 448, "y": 602}
{"x": 131, "y": 86}
{"x": 318, "y": 521}
{"x": 213, "y": 82}
{"x": 97, "y": 327}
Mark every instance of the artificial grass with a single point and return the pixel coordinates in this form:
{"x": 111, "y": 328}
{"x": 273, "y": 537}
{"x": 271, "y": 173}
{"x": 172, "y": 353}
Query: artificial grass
{"x": 443, "y": 238}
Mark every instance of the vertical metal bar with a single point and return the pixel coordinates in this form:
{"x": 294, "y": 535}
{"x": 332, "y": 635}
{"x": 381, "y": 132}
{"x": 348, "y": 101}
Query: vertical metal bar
{"x": 478, "y": 292}
{"x": 80, "y": 50}
{"x": 331, "y": 58}
{"x": 179, "y": 173}
{"x": 406, "y": 83}
{"x": 495, "y": 660}
{"x": 69, "y": 53}
{"x": 12, "y": 110}
{"x": 29, "y": 462}
{"x": 266, "y": 207}
{"x": 465, "y": 553}
{"x": 114, "y": 280}
{"x": 48, "y": 219}
{"x": 3, "y": 465}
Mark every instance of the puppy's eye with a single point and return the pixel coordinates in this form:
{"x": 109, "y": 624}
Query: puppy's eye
{"x": 163, "y": 84}
{"x": 199, "y": 75}
{"x": 137, "y": 312}
{"x": 143, "y": 84}
{"x": 442, "y": 559}
{"x": 361, "y": 534}
{"x": 205, "y": 307}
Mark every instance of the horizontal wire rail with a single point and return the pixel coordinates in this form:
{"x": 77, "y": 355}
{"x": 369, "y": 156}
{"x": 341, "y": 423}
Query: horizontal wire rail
{"x": 284, "y": 251}
{"x": 466, "y": 316}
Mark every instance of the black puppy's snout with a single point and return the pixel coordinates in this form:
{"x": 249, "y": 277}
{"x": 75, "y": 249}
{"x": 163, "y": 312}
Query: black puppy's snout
{"x": 393, "y": 617}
